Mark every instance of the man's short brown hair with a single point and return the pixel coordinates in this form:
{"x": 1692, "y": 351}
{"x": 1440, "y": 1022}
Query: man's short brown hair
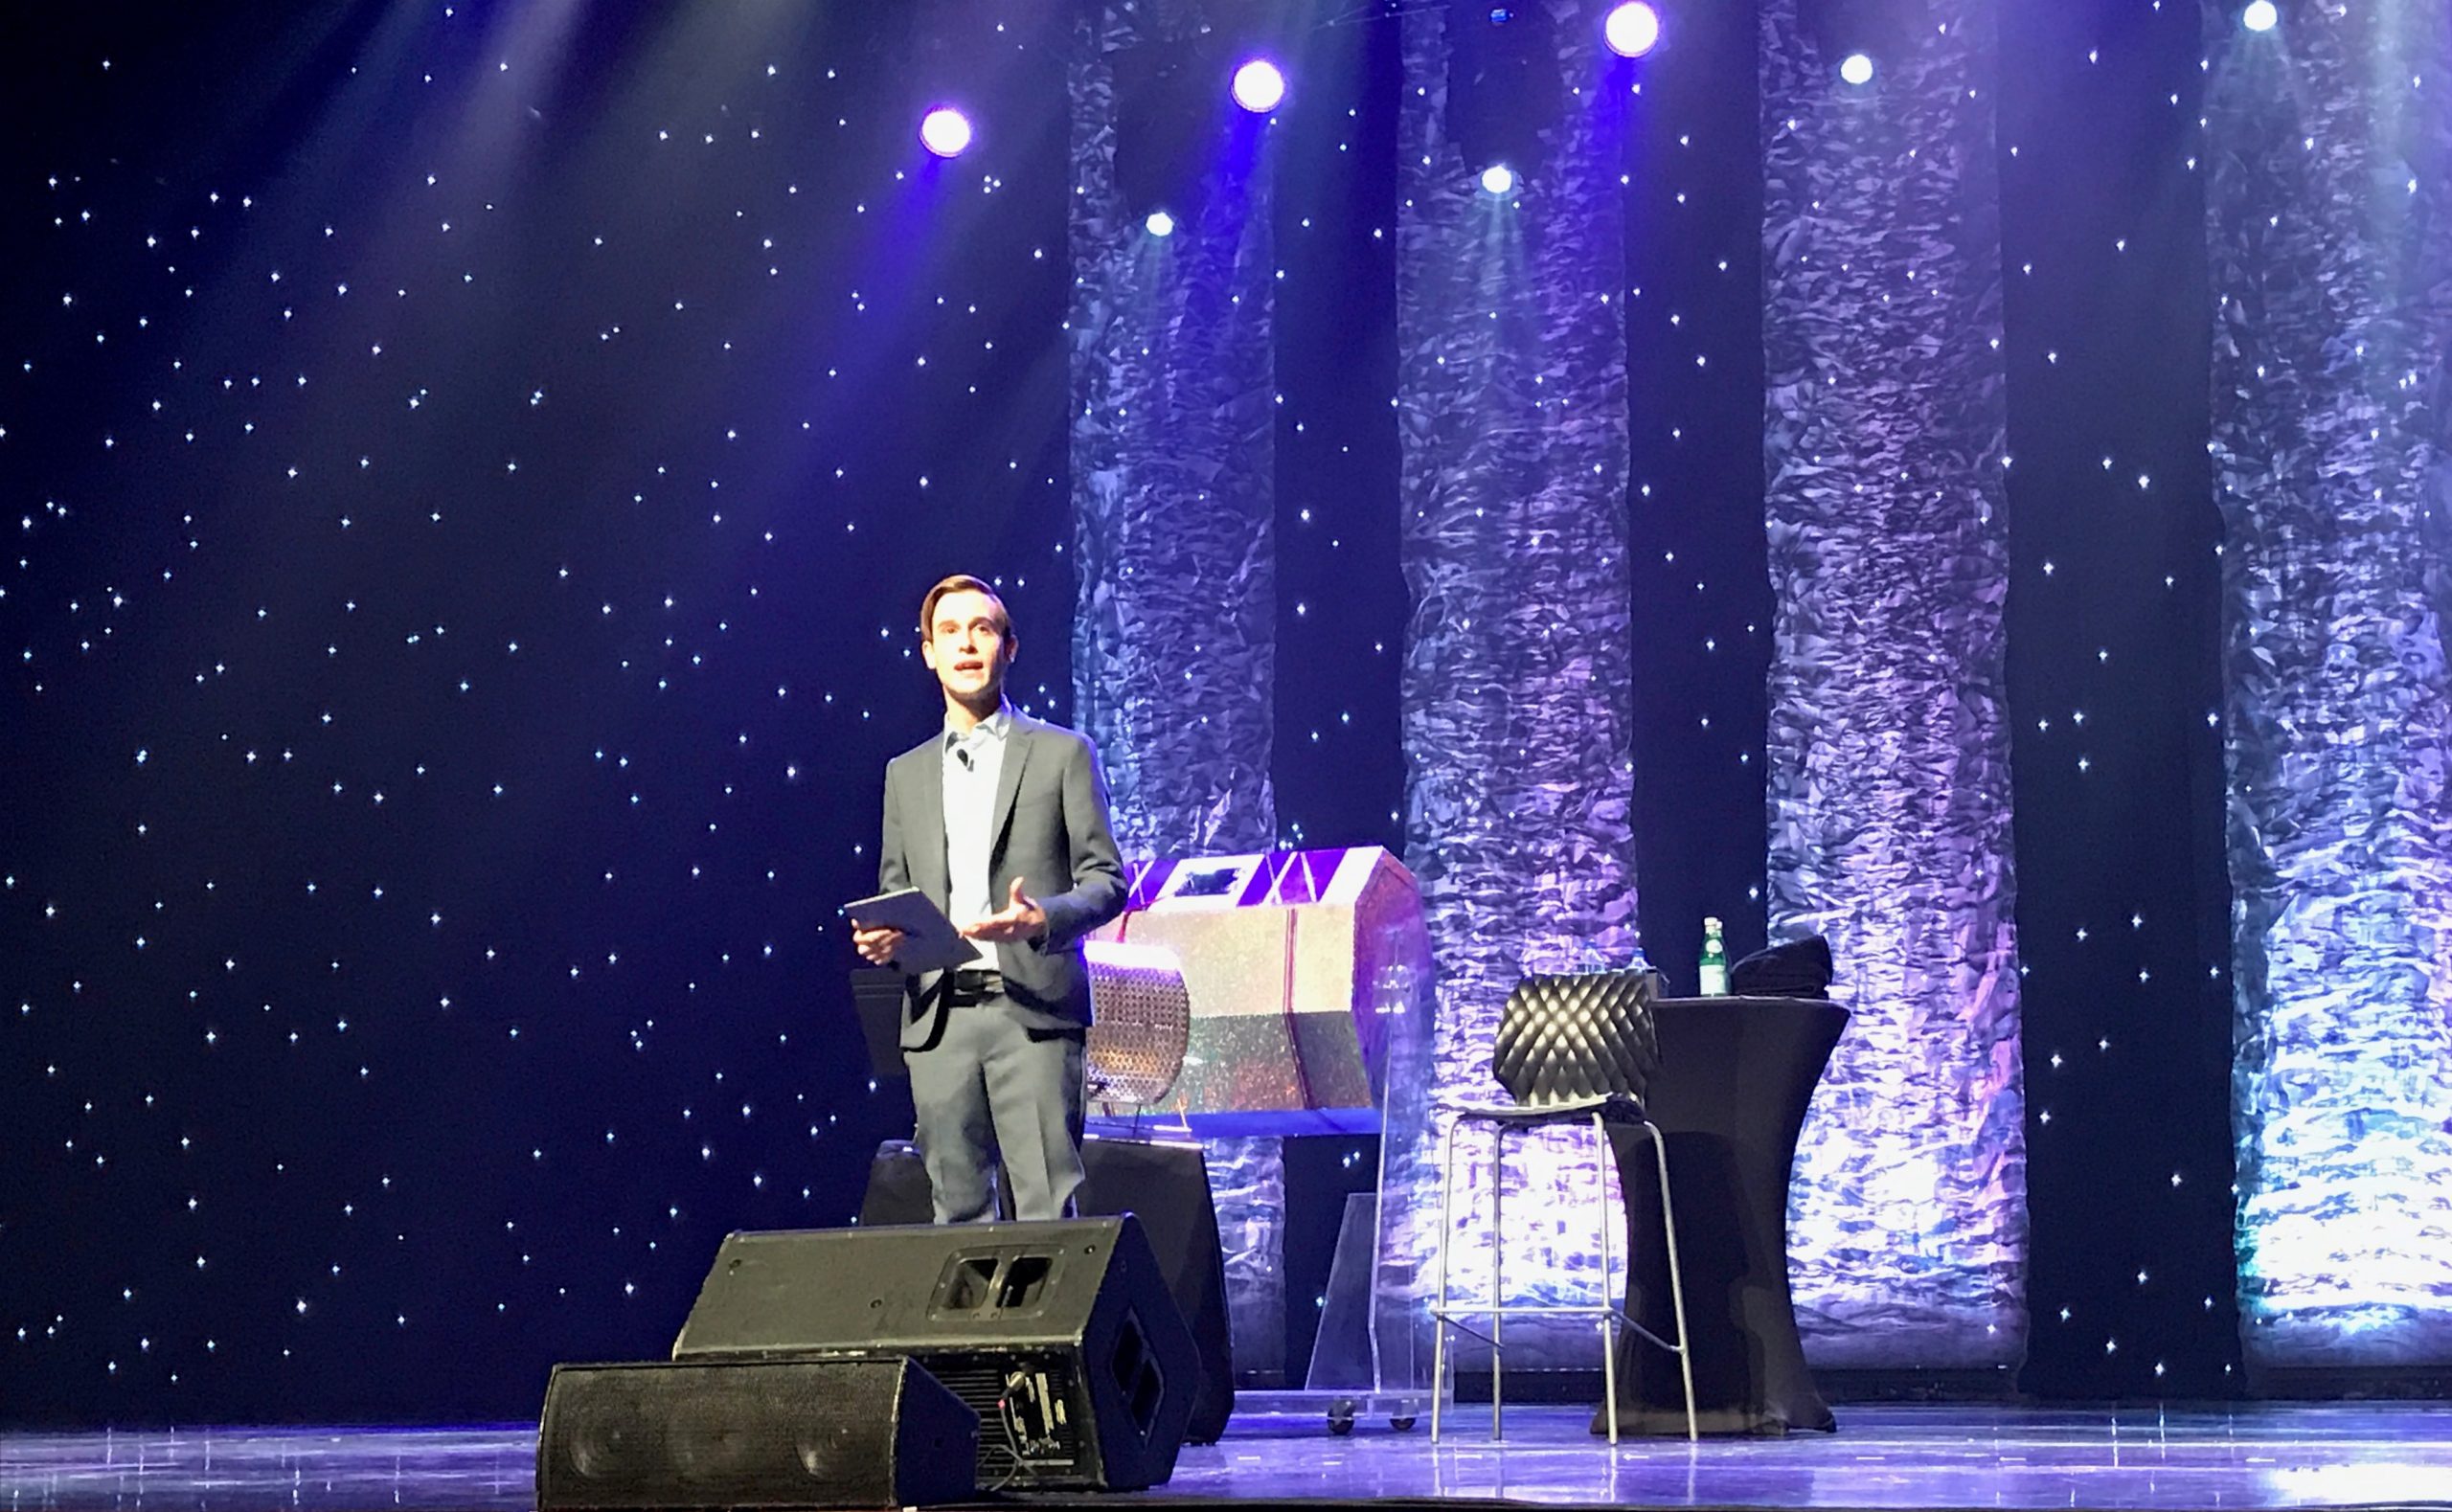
{"x": 961, "y": 582}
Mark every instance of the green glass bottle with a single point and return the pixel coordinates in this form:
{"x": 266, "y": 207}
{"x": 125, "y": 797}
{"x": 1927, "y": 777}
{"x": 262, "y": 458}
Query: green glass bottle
{"x": 1713, "y": 971}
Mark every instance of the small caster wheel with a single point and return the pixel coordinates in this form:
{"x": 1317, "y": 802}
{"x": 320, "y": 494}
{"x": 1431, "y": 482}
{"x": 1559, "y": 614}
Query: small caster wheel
{"x": 1402, "y": 1425}
{"x": 1341, "y": 1418}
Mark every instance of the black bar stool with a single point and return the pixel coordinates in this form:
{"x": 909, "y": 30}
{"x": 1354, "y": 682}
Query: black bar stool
{"x": 1571, "y": 1049}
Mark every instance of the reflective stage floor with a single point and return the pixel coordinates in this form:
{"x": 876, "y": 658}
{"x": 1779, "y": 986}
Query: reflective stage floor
{"x": 2249, "y": 1457}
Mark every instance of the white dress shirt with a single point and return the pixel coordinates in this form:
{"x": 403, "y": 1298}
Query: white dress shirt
{"x": 973, "y": 763}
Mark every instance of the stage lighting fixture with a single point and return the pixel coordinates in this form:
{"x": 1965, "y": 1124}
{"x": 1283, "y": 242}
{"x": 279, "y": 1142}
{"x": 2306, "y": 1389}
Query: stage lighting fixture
{"x": 1498, "y": 179}
{"x": 1167, "y": 119}
{"x": 1504, "y": 93}
{"x": 1258, "y": 86}
{"x": 1159, "y": 224}
{"x": 1632, "y": 29}
{"x": 944, "y": 132}
{"x": 2260, "y": 16}
{"x": 1857, "y": 32}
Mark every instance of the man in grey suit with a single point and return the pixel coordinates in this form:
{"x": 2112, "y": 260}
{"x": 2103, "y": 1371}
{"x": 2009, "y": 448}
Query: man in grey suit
{"x": 1002, "y": 822}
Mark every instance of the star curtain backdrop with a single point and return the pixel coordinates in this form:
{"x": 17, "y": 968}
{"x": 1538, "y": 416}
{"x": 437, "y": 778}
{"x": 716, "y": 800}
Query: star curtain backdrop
{"x": 2115, "y": 676}
{"x": 406, "y": 1208}
{"x": 476, "y": 475}
{"x": 1174, "y": 501}
{"x": 2331, "y": 145}
{"x": 1512, "y": 411}
{"x": 1702, "y": 580}
{"x": 1885, "y": 443}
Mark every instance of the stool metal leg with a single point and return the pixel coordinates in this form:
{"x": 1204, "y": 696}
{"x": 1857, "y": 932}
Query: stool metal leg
{"x": 1607, "y": 1310}
{"x": 1498, "y": 1292}
{"x": 1676, "y": 1280}
{"x": 1439, "y": 1313}
{"x": 1608, "y": 1300}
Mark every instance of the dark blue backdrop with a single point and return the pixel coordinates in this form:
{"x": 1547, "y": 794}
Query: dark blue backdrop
{"x": 477, "y": 481}
{"x": 472, "y": 470}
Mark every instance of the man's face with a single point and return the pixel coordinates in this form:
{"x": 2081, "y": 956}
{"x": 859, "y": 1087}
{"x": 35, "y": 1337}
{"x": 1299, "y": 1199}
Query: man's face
{"x": 964, "y": 647}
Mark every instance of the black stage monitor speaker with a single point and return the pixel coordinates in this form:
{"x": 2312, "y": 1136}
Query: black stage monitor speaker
{"x": 1166, "y": 1185}
{"x": 1061, "y": 1336}
{"x": 768, "y": 1433}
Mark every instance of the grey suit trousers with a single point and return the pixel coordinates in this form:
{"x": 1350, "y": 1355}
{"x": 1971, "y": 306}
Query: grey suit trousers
{"x": 991, "y": 1085}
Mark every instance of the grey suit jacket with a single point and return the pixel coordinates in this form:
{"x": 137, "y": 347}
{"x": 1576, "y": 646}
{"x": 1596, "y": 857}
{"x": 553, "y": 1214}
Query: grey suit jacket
{"x": 1051, "y": 831}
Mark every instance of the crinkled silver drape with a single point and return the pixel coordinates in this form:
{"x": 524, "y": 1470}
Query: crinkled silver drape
{"x": 1889, "y": 740}
{"x": 1175, "y": 504}
{"x": 1174, "y": 501}
{"x": 1517, "y": 691}
{"x": 2329, "y": 220}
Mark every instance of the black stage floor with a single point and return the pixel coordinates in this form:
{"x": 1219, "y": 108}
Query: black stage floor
{"x": 2265, "y": 1455}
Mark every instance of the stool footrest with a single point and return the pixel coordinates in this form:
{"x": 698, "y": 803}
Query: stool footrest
{"x": 1453, "y": 1310}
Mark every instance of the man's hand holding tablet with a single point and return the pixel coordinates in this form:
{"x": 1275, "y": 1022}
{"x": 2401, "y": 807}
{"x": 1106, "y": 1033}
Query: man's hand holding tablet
{"x": 905, "y": 929}
{"x": 877, "y": 945}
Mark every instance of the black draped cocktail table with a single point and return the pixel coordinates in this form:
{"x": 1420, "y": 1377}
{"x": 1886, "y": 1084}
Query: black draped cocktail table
{"x": 1735, "y": 1074}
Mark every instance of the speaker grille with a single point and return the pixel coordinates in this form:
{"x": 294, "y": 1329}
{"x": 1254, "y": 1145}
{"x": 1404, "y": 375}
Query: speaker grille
{"x": 749, "y": 1436}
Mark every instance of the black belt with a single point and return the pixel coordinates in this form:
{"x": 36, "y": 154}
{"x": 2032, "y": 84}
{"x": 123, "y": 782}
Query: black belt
{"x": 964, "y": 989}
